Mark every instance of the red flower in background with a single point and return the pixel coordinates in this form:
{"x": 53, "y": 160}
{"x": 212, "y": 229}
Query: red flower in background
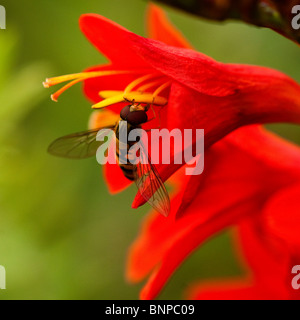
{"x": 245, "y": 173}
{"x": 268, "y": 248}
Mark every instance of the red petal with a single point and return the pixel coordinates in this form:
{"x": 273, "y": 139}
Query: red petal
{"x": 282, "y": 215}
{"x": 170, "y": 243}
{"x": 241, "y": 190}
{"x": 267, "y": 148}
{"x": 111, "y": 40}
{"x": 190, "y": 234}
{"x": 247, "y": 84}
{"x": 255, "y": 93}
{"x": 245, "y": 146}
{"x": 248, "y": 139}
{"x": 232, "y": 290}
{"x": 267, "y": 259}
{"x": 160, "y": 28}
{"x": 265, "y": 256}
{"x": 155, "y": 238}
{"x": 114, "y": 177}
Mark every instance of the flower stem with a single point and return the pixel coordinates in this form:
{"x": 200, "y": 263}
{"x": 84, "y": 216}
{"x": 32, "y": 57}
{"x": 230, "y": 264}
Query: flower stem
{"x": 273, "y": 14}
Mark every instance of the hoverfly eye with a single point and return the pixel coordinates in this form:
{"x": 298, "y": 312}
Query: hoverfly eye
{"x": 124, "y": 112}
{"x": 136, "y": 118}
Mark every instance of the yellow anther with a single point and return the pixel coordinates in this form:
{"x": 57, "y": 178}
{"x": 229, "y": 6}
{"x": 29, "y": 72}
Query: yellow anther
{"x": 109, "y": 93}
{"x": 56, "y": 80}
{"x": 140, "y": 80}
{"x": 145, "y": 98}
{"x": 132, "y": 97}
{"x": 83, "y": 75}
{"x": 78, "y": 77}
{"x": 109, "y": 101}
{"x": 162, "y": 88}
{"x": 150, "y": 85}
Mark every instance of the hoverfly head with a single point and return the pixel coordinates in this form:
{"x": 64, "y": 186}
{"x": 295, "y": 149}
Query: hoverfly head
{"x": 134, "y": 117}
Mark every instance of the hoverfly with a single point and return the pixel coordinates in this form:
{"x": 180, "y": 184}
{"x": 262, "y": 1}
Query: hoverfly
{"x": 84, "y": 145}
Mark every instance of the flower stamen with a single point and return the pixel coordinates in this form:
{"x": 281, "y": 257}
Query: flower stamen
{"x": 146, "y": 98}
{"x": 139, "y": 96}
{"x": 55, "y": 95}
{"x": 162, "y": 88}
{"x": 135, "y": 92}
{"x": 109, "y": 101}
{"x": 150, "y": 85}
{"x": 78, "y": 77}
{"x": 140, "y": 80}
{"x": 109, "y": 93}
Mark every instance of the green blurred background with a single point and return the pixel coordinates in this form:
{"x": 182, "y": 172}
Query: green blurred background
{"x": 62, "y": 236}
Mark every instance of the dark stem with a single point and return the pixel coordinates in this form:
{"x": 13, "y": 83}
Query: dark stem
{"x": 274, "y": 14}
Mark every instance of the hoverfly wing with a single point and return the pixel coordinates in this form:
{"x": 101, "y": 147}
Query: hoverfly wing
{"x": 150, "y": 185}
{"x": 79, "y": 145}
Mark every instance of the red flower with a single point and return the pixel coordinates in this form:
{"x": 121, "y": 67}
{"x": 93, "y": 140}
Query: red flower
{"x": 191, "y": 90}
{"x": 268, "y": 247}
{"x": 246, "y": 173}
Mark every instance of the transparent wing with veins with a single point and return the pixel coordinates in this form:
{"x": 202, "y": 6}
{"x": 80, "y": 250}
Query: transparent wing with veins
{"x": 150, "y": 185}
{"x": 80, "y": 145}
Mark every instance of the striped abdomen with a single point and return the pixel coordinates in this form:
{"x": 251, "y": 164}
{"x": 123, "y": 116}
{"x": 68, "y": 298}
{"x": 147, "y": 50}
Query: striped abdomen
{"x": 123, "y": 152}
